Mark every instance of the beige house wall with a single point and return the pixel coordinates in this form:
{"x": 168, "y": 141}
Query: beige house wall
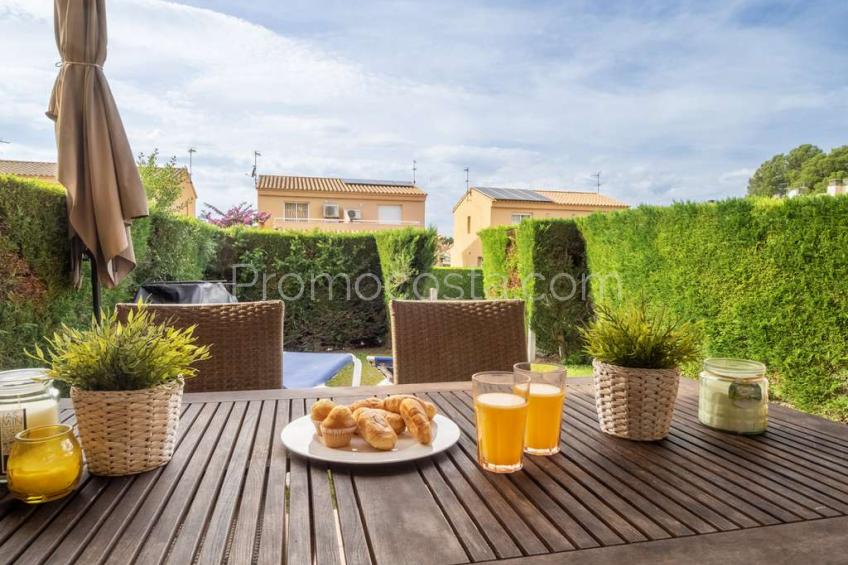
{"x": 484, "y": 212}
{"x": 187, "y": 203}
{"x": 273, "y": 202}
{"x": 472, "y": 214}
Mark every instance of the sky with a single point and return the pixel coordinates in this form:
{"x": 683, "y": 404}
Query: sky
{"x": 670, "y": 100}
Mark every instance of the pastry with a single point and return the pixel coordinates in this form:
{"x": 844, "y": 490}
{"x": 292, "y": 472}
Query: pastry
{"x": 417, "y": 422}
{"x": 392, "y": 404}
{"x": 375, "y": 429}
{"x": 338, "y": 427}
{"x": 394, "y": 420}
{"x": 372, "y": 402}
{"x": 319, "y": 411}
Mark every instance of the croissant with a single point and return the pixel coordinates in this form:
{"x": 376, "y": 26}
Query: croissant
{"x": 372, "y": 402}
{"x": 392, "y": 404}
{"x": 394, "y": 420}
{"x": 375, "y": 429}
{"x": 417, "y": 422}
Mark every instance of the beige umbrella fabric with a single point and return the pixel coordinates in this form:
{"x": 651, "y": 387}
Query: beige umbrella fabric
{"x": 95, "y": 162}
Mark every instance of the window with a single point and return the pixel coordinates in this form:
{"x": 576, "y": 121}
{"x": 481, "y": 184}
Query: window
{"x": 517, "y": 218}
{"x": 296, "y": 212}
{"x": 389, "y": 214}
{"x": 468, "y": 224}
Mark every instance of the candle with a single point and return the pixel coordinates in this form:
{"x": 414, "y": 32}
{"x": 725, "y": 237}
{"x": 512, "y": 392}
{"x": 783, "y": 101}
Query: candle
{"x": 45, "y": 463}
{"x": 734, "y": 396}
{"x": 26, "y": 401}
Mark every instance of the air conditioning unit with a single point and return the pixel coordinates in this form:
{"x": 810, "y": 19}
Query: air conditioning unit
{"x": 331, "y": 210}
{"x": 354, "y": 214}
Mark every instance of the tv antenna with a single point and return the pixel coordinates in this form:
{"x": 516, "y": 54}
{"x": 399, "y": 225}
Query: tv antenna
{"x": 467, "y": 181}
{"x": 414, "y": 168}
{"x": 256, "y": 155}
{"x": 597, "y": 181}
{"x": 191, "y": 152}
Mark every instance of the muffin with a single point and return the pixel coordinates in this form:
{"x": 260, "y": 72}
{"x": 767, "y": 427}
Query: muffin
{"x": 338, "y": 427}
{"x": 320, "y": 410}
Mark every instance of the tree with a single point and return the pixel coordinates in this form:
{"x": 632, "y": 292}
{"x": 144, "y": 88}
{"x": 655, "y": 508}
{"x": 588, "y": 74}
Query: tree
{"x": 241, "y": 215}
{"x": 782, "y": 172}
{"x": 162, "y": 182}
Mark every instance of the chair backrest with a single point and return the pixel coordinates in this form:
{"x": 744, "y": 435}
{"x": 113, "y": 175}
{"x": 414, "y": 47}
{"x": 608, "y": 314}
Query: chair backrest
{"x": 245, "y": 340}
{"x": 450, "y": 340}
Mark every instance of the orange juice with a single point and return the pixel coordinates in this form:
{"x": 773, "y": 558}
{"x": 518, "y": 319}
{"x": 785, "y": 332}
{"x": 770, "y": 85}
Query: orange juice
{"x": 544, "y": 417}
{"x": 501, "y": 418}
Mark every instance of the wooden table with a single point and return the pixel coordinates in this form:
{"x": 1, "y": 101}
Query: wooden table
{"x": 231, "y": 494}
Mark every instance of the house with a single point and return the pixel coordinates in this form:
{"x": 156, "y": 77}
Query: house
{"x": 836, "y": 187}
{"x": 336, "y": 204}
{"x": 186, "y": 204}
{"x": 484, "y": 207}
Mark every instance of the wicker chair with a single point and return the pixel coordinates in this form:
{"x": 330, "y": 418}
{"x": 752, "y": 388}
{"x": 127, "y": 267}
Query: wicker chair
{"x": 450, "y": 340}
{"x": 245, "y": 339}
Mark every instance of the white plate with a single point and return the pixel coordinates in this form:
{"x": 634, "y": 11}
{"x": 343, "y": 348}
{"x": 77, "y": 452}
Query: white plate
{"x": 299, "y": 437}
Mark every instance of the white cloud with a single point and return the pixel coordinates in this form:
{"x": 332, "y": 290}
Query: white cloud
{"x": 677, "y": 106}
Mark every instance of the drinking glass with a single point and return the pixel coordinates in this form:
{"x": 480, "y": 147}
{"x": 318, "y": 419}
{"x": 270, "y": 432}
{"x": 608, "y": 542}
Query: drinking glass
{"x": 45, "y": 463}
{"x": 544, "y": 406}
{"x": 500, "y": 407}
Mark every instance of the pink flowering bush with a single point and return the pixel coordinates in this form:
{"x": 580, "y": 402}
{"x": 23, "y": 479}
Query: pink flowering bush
{"x": 241, "y": 215}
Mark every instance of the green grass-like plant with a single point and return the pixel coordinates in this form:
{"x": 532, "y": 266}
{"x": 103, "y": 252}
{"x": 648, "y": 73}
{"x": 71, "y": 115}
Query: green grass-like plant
{"x": 135, "y": 355}
{"x": 636, "y": 336}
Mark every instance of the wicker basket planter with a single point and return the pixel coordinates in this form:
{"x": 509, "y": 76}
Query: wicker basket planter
{"x": 128, "y": 432}
{"x": 633, "y": 403}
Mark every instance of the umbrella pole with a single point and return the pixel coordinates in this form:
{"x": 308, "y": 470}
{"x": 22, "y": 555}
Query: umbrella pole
{"x": 95, "y": 288}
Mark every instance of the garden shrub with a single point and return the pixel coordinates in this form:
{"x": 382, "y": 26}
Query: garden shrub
{"x": 405, "y": 254}
{"x": 319, "y": 275}
{"x": 500, "y": 262}
{"x": 765, "y": 277}
{"x": 453, "y": 283}
{"x": 551, "y": 263}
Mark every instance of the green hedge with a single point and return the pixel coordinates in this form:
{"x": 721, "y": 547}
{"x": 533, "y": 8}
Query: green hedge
{"x": 453, "y": 283}
{"x": 767, "y": 279}
{"x": 551, "y": 260}
{"x": 500, "y": 262}
{"x": 405, "y": 255}
{"x": 317, "y": 275}
{"x": 36, "y": 294}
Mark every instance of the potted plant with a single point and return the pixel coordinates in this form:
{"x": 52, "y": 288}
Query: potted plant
{"x": 126, "y": 382}
{"x": 636, "y": 355}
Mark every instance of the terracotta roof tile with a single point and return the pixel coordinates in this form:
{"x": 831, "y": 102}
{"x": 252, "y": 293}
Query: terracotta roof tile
{"x": 28, "y": 168}
{"x": 331, "y": 184}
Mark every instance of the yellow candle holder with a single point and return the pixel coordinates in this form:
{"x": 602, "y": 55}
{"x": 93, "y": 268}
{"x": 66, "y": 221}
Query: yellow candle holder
{"x": 45, "y": 463}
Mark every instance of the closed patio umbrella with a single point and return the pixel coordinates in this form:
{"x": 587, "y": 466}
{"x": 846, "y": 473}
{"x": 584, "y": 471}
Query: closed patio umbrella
{"x": 95, "y": 162}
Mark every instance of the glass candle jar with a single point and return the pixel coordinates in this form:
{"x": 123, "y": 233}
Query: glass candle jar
{"x": 45, "y": 463}
{"x": 734, "y": 396}
{"x": 27, "y": 400}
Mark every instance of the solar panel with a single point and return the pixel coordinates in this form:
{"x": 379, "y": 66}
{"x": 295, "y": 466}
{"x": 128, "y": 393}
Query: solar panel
{"x": 378, "y": 182}
{"x": 512, "y": 194}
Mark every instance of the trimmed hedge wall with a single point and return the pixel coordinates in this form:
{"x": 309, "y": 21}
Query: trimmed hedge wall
{"x": 405, "y": 254}
{"x": 500, "y": 262}
{"x": 454, "y": 283}
{"x": 552, "y": 268}
{"x": 36, "y": 295}
{"x": 767, "y": 279}
{"x": 319, "y": 275}
{"x": 542, "y": 262}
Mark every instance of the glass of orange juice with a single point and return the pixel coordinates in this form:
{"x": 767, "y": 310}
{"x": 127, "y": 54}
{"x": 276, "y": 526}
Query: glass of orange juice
{"x": 545, "y": 397}
{"x": 500, "y": 407}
